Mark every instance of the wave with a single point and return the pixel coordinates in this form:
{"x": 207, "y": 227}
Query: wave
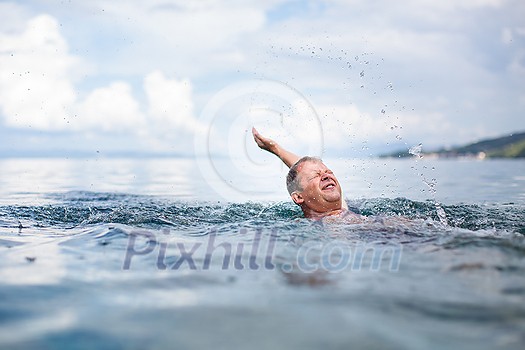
{"x": 80, "y": 209}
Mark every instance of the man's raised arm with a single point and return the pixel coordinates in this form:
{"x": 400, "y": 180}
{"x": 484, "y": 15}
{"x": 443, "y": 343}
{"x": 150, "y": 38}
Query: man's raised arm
{"x": 287, "y": 157}
{"x": 271, "y": 146}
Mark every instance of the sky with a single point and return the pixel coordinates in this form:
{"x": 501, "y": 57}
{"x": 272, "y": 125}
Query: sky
{"x": 336, "y": 78}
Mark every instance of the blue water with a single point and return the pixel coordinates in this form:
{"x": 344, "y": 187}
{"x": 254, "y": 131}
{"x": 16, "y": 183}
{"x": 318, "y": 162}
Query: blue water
{"x": 154, "y": 253}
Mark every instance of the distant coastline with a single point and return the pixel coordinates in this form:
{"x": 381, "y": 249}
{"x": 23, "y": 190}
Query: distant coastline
{"x": 509, "y": 146}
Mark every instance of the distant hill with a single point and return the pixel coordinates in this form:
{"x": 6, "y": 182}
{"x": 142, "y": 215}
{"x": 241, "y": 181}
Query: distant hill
{"x": 512, "y": 146}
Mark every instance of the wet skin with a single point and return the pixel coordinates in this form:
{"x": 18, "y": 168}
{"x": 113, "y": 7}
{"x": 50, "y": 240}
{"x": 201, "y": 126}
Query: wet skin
{"x": 321, "y": 193}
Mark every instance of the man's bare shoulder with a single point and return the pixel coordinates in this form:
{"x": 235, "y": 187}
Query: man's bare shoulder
{"x": 349, "y": 217}
{"x": 345, "y": 216}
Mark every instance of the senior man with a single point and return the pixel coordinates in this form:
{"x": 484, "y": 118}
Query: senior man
{"x": 310, "y": 183}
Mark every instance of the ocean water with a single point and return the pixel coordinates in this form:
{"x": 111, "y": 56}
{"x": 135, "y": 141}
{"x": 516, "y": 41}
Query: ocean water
{"x": 166, "y": 253}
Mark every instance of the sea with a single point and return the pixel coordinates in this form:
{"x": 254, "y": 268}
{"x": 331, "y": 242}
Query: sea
{"x": 191, "y": 253}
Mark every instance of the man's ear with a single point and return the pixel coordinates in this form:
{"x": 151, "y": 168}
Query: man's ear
{"x": 297, "y": 198}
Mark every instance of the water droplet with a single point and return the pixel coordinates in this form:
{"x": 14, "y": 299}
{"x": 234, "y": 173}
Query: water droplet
{"x": 442, "y": 215}
{"x": 362, "y": 74}
{"x": 416, "y": 150}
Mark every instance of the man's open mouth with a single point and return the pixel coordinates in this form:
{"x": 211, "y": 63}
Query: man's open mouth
{"x": 328, "y": 186}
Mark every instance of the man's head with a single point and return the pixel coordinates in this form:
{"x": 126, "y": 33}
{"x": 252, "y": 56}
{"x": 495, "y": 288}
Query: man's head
{"x": 313, "y": 186}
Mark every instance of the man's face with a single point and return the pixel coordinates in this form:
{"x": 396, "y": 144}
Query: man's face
{"x": 321, "y": 190}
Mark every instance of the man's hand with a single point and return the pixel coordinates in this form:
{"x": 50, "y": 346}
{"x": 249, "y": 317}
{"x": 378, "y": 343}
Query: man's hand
{"x": 263, "y": 142}
{"x": 271, "y": 146}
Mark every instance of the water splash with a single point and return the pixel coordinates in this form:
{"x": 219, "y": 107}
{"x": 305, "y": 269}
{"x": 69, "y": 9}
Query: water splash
{"x": 431, "y": 184}
{"x": 416, "y": 150}
{"x": 86, "y": 210}
{"x": 442, "y": 215}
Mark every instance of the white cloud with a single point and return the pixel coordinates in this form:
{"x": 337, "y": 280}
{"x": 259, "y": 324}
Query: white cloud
{"x": 190, "y": 38}
{"x": 506, "y": 36}
{"x": 35, "y": 90}
{"x": 517, "y": 66}
{"x": 12, "y": 17}
{"x": 346, "y": 126}
{"x": 170, "y": 103}
{"x": 451, "y": 5}
{"x": 520, "y": 31}
{"x": 111, "y": 108}
{"x": 346, "y": 123}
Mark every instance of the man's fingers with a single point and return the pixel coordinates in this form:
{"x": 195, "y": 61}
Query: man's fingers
{"x": 256, "y": 135}
{"x": 262, "y": 141}
{"x": 258, "y": 138}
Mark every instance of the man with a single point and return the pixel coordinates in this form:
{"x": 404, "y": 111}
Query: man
{"x": 310, "y": 183}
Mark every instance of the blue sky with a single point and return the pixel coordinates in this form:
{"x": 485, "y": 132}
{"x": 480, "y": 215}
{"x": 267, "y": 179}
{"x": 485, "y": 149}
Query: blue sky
{"x": 352, "y": 77}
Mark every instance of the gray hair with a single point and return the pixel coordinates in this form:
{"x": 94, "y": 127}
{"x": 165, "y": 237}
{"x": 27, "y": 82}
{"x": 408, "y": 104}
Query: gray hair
{"x": 293, "y": 182}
